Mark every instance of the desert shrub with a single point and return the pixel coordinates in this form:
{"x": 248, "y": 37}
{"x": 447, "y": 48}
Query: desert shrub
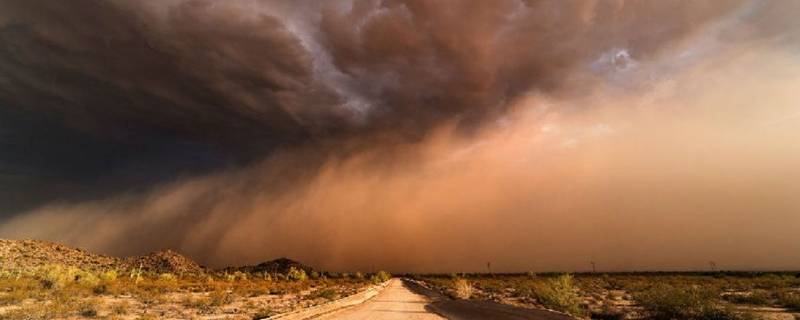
{"x": 522, "y": 291}
{"x": 789, "y": 300}
{"x": 328, "y": 294}
{"x": 196, "y": 302}
{"x": 263, "y": 314}
{"x": 296, "y": 274}
{"x": 314, "y": 275}
{"x": 100, "y": 289}
{"x": 87, "y": 311}
{"x": 757, "y": 297}
{"x": 149, "y": 296}
{"x": 59, "y": 306}
{"x": 358, "y": 275}
{"x": 230, "y": 277}
{"x": 220, "y": 296}
{"x": 238, "y": 275}
{"x": 167, "y": 277}
{"x": 13, "y": 297}
{"x": 374, "y": 279}
{"x": 462, "y": 289}
{"x": 16, "y": 290}
{"x": 109, "y": 275}
{"x": 607, "y": 313}
{"x": 383, "y": 276}
{"x": 560, "y": 294}
{"x": 120, "y": 308}
{"x": 665, "y": 302}
{"x": 59, "y": 276}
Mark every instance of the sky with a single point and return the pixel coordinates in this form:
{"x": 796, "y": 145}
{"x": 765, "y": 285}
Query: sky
{"x": 411, "y": 136}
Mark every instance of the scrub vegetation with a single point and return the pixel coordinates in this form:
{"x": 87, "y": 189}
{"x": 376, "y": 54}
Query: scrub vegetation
{"x": 110, "y": 290}
{"x": 659, "y": 296}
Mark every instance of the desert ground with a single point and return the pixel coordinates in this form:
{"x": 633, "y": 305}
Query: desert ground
{"x": 650, "y": 295}
{"x": 43, "y": 280}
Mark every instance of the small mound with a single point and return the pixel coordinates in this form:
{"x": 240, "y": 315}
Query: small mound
{"x": 280, "y": 265}
{"x": 167, "y": 261}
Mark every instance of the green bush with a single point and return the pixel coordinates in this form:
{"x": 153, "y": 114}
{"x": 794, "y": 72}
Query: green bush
{"x": 58, "y": 277}
{"x": 167, "y": 277}
{"x": 296, "y": 274}
{"x": 383, "y": 276}
{"x": 109, "y": 275}
{"x": 559, "y": 294}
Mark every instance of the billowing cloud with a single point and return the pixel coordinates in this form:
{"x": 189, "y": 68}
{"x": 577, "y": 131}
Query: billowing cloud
{"x": 417, "y": 135}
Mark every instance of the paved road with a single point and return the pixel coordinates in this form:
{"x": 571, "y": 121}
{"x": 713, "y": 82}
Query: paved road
{"x": 394, "y": 302}
{"x": 406, "y": 300}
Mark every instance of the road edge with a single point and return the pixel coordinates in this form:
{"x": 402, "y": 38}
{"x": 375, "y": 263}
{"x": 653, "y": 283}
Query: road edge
{"x": 333, "y": 306}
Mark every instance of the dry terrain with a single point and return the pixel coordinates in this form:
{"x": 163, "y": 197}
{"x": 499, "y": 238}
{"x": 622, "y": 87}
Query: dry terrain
{"x": 717, "y": 295}
{"x": 42, "y": 280}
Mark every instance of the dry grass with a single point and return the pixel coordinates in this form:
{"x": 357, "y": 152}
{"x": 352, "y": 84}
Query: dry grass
{"x": 634, "y": 295}
{"x": 56, "y": 291}
{"x": 462, "y": 289}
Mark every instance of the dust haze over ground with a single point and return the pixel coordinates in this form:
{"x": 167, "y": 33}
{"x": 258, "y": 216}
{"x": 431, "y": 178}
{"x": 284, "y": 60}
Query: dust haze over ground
{"x": 403, "y": 135}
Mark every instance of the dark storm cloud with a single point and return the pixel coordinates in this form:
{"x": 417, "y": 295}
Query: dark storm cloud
{"x": 125, "y": 93}
{"x": 101, "y": 97}
{"x": 201, "y": 71}
{"x": 234, "y": 74}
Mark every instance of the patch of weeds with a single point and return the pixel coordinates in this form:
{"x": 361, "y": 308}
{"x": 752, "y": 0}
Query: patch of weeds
{"x": 665, "y": 302}
{"x": 328, "y": 294}
{"x": 88, "y": 312}
{"x": 120, "y": 308}
{"x": 789, "y": 300}
{"x": 462, "y": 289}
{"x": 758, "y": 298}
{"x": 220, "y": 297}
{"x": 296, "y": 274}
{"x": 559, "y": 294}
{"x": 263, "y": 314}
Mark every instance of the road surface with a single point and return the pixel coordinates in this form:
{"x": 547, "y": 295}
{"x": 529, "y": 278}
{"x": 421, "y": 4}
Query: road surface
{"x": 406, "y": 300}
{"x": 394, "y": 302}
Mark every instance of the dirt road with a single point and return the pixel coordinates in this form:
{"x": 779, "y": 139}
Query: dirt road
{"x": 405, "y": 300}
{"x": 394, "y": 302}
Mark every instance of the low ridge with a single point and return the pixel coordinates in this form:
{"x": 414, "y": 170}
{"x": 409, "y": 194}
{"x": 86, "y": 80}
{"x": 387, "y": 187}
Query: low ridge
{"x": 166, "y": 261}
{"x": 280, "y": 265}
{"x": 25, "y": 254}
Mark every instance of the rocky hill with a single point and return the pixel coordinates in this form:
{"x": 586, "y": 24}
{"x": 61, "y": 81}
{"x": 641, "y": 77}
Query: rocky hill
{"x": 281, "y": 265}
{"x": 25, "y": 254}
{"x": 167, "y": 261}
{"x": 28, "y": 254}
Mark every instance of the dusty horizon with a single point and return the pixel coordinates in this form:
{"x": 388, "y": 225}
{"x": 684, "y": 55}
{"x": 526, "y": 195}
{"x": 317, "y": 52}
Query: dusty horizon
{"x": 398, "y": 135}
